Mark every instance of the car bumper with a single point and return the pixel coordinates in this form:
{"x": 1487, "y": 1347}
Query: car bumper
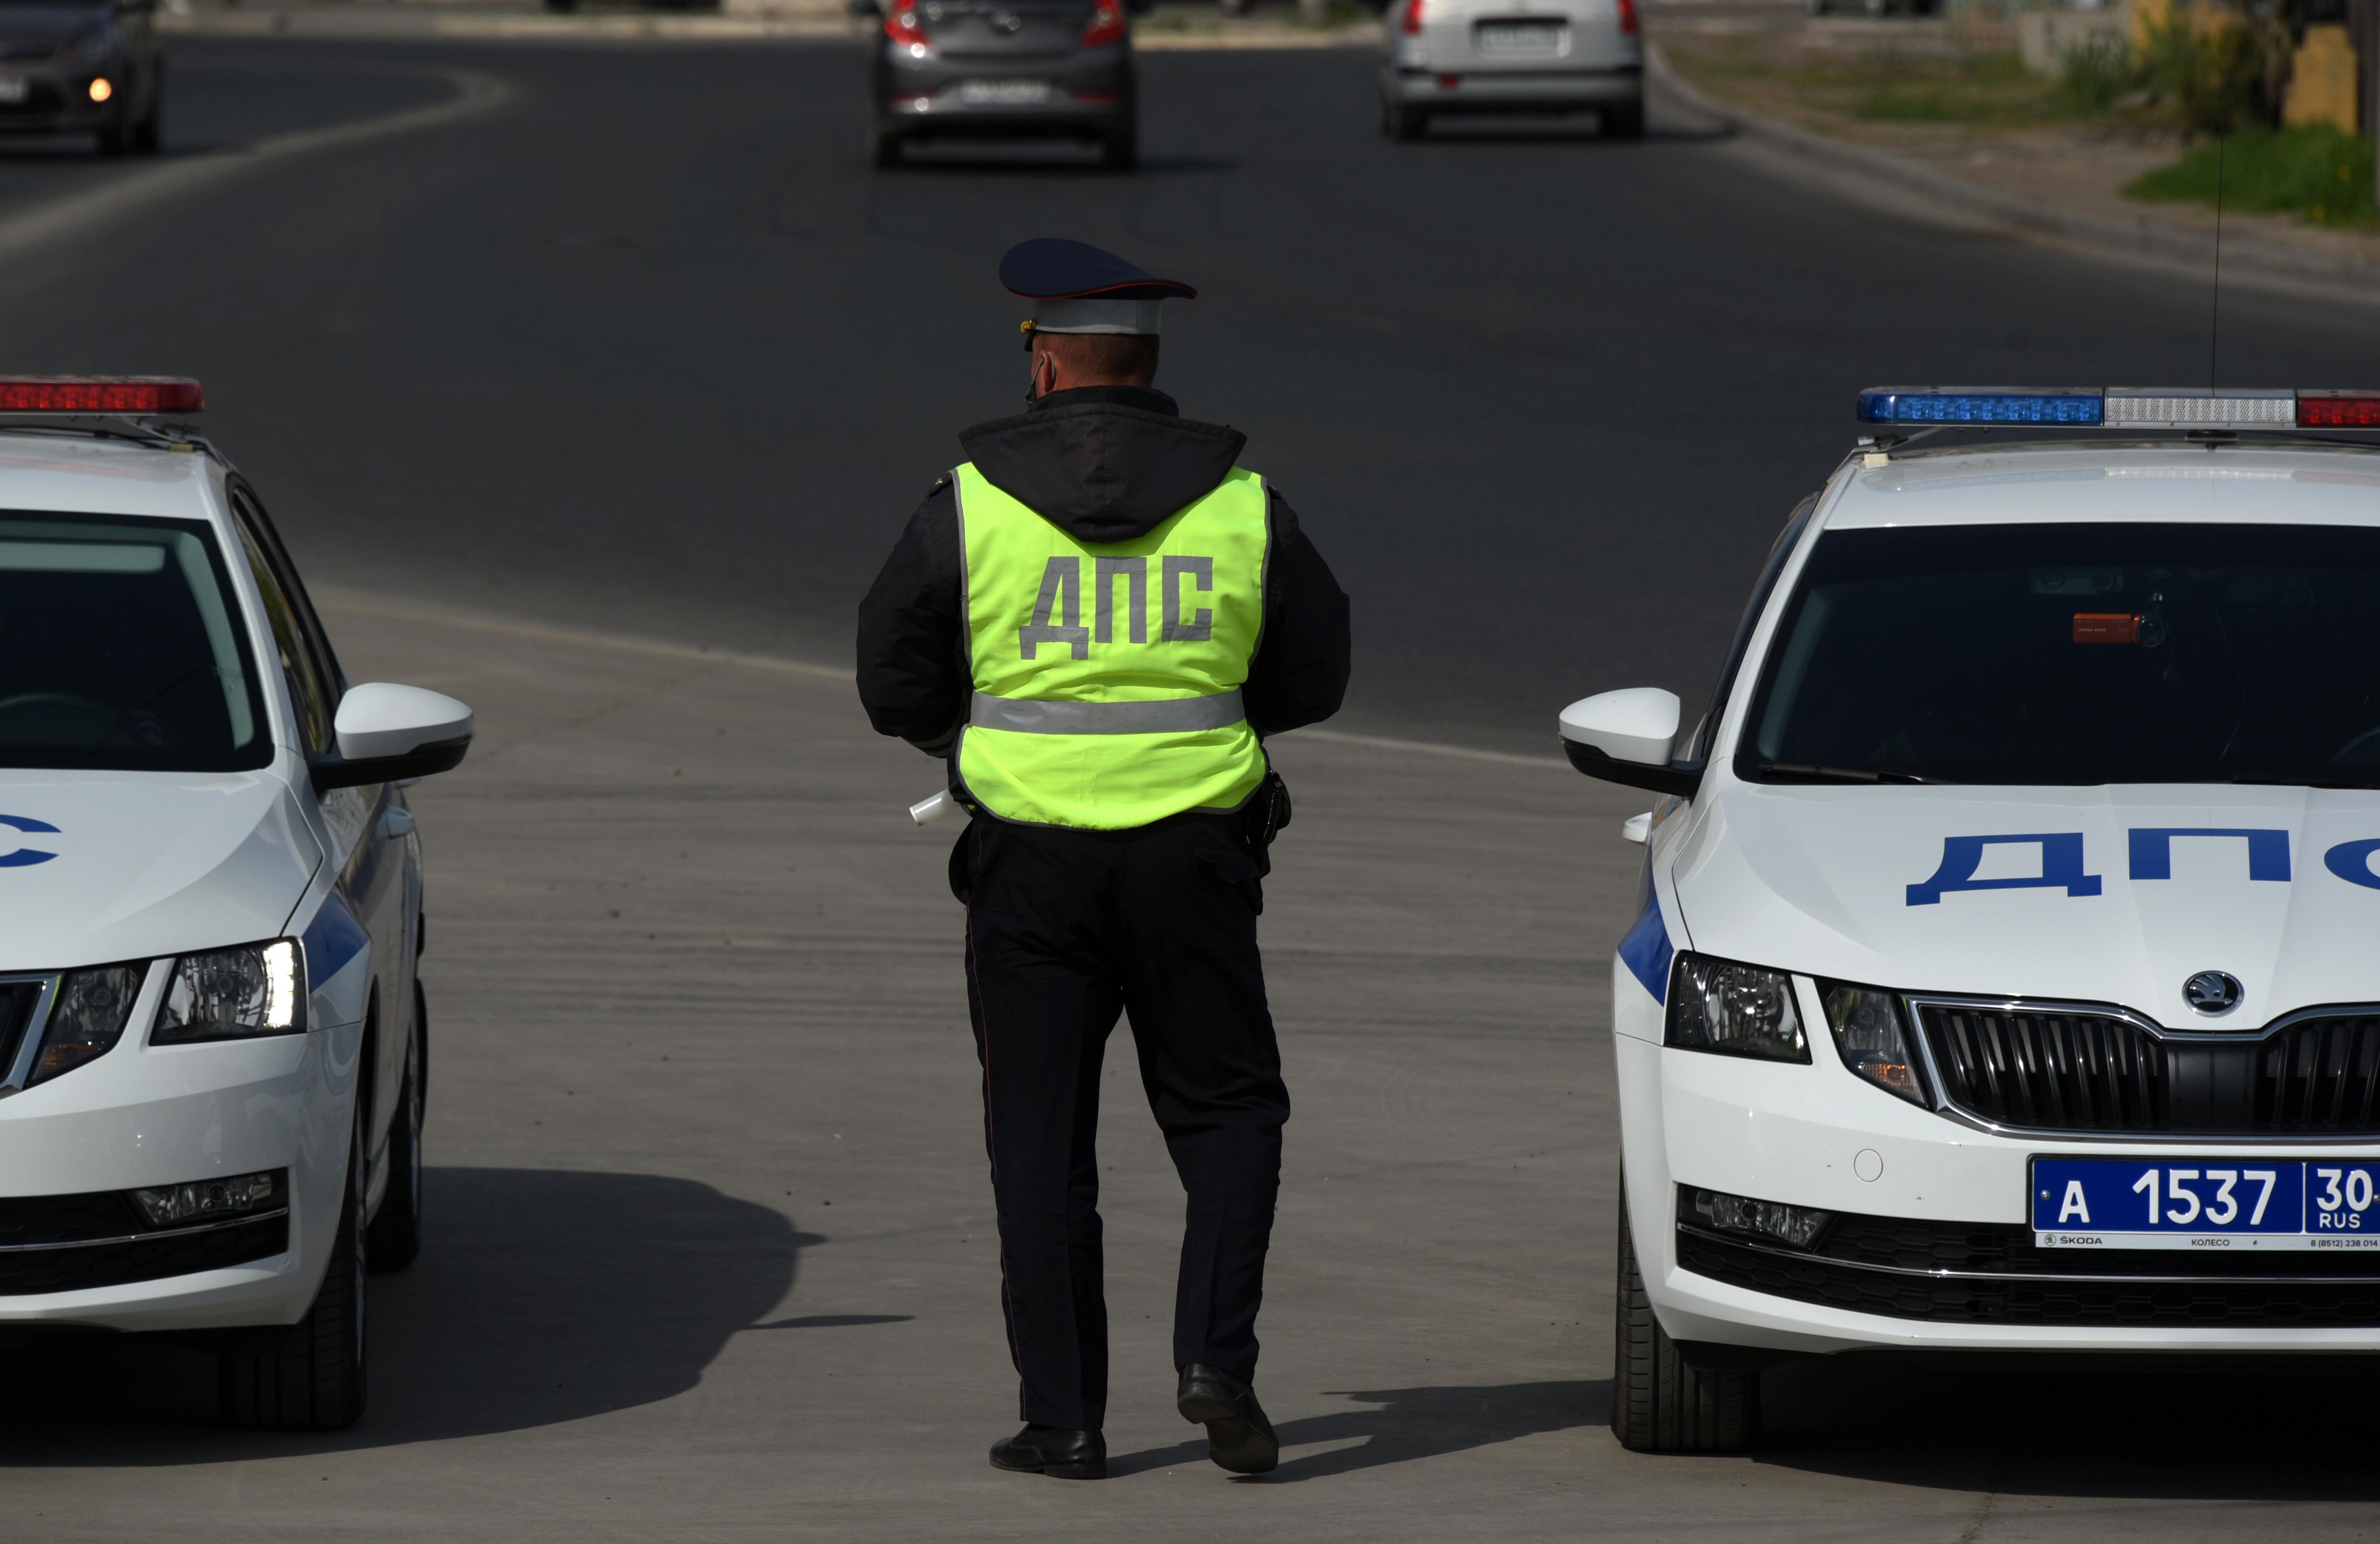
{"x": 139, "y": 1116}
{"x": 55, "y": 102}
{"x": 1812, "y": 1136}
{"x": 1513, "y": 90}
{"x": 1085, "y": 93}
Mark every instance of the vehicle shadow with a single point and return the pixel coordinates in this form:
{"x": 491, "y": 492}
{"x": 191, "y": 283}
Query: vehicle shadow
{"x": 957, "y": 156}
{"x": 1487, "y": 130}
{"x": 540, "y": 1296}
{"x": 2098, "y": 1428}
{"x": 1409, "y": 1424}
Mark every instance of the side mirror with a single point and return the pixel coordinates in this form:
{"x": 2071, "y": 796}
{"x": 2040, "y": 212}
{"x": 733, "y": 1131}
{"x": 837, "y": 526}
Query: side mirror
{"x": 1627, "y": 738}
{"x": 389, "y": 732}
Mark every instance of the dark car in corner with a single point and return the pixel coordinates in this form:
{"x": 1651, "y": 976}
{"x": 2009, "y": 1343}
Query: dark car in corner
{"x": 1042, "y": 68}
{"x": 90, "y": 69}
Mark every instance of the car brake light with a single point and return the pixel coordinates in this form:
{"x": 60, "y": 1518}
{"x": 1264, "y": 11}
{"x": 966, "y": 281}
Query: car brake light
{"x": 1107, "y": 24}
{"x": 903, "y": 24}
{"x": 1627, "y": 19}
{"x": 2338, "y": 410}
{"x": 1410, "y": 25}
{"x": 100, "y": 394}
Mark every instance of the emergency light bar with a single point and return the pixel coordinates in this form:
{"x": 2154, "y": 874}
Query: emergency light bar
{"x": 109, "y": 395}
{"x": 2119, "y": 408}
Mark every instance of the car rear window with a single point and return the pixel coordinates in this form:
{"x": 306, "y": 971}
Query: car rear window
{"x": 121, "y": 647}
{"x": 2076, "y": 654}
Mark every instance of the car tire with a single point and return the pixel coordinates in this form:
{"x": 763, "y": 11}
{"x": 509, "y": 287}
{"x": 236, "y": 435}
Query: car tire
{"x": 395, "y": 1237}
{"x": 115, "y": 140}
{"x": 883, "y": 146}
{"x": 314, "y": 1380}
{"x": 561, "y": 4}
{"x": 1623, "y": 123}
{"x": 1120, "y": 152}
{"x": 146, "y": 132}
{"x": 1659, "y": 1403}
{"x": 1402, "y": 123}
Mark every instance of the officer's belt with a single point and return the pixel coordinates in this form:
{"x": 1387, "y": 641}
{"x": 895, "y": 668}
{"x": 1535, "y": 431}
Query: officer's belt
{"x": 1165, "y": 715}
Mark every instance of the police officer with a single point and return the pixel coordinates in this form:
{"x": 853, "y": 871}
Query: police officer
{"x": 1096, "y": 618}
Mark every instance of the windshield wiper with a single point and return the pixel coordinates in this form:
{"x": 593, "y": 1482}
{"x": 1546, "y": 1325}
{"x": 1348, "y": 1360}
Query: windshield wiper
{"x": 2286, "y": 780}
{"x": 1840, "y": 774}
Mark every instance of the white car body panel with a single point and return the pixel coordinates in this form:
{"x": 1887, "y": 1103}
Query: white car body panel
{"x": 147, "y": 865}
{"x": 1829, "y": 880}
{"x": 1591, "y": 61}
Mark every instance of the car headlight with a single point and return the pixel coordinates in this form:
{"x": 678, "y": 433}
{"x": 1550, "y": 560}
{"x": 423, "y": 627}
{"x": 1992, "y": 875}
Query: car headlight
{"x": 1736, "y": 1009}
{"x": 87, "y": 1019}
{"x": 1873, "y": 1038}
{"x": 233, "y": 994}
{"x": 93, "y": 48}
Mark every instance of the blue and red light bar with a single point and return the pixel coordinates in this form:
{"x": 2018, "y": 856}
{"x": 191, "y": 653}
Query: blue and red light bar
{"x": 2118, "y": 407}
{"x": 111, "y": 395}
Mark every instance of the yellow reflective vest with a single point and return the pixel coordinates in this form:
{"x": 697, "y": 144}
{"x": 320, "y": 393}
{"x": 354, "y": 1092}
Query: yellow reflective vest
{"x": 1107, "y": 675}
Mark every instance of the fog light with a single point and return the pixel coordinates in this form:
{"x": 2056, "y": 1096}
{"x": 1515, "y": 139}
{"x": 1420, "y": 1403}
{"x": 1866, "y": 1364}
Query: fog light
{"x": 1797, "y": 1226}
{"x": 101, "y": 91}
{"x": 206, "y": 1198}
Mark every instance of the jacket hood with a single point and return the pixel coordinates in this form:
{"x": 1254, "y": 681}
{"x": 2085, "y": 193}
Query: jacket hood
{"x": 2105, "y": 894}
{"x": 1103, "y": 471}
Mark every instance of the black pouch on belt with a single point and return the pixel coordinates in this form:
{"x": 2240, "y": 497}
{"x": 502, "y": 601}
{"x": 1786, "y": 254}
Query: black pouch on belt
{"x": 1266, "y": 813}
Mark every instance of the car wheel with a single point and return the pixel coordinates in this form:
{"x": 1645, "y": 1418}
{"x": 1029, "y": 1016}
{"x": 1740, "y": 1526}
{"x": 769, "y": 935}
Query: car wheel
{"x": 145, "y": 134}
{"x": 396, "y": 1235}
{"x": 1404, "y": 123}
{"x": 1623, "y": 123}
{"x": 1658, "y": 1403}
{"x": 561, "y": 4}
{"x": 883, "y": 146}
{"x": 1119, "y": 152}
{"x": 315, "y": 1381}
{"x": 115, "y": 140}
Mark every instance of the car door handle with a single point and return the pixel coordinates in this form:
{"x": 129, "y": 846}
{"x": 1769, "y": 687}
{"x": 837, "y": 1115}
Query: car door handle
{"x": 395, "y": 825}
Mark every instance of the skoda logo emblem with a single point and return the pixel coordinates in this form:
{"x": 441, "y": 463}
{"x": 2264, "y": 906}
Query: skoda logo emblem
{"x": 2212, "y": 992}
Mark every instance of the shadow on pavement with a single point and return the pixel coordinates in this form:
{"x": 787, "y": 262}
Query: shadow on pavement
{"x": 1411, "y": 1423}
{"x": 2082, "y": 1429}
{"x": 540, "y": 1297}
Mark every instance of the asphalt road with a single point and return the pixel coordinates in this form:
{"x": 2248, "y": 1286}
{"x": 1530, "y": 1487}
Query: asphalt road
{"x": 645, "y": 353}
{"x": 651, "y": 346}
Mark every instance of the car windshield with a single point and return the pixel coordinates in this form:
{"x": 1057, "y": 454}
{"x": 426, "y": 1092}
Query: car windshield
{"x": 120, "y": 648}
{"x": 2077, "y": 655}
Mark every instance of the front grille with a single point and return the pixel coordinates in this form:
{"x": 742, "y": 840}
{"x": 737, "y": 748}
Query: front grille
{"x": 17, "y": 1001}
{"x": 1984, "y": 1299}
{"x": 2076, "y": 1070}
{"x": 142, "y": 1259}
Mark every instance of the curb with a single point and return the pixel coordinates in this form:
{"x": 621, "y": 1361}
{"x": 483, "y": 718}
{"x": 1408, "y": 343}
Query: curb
{"x": 2246, "y": 259}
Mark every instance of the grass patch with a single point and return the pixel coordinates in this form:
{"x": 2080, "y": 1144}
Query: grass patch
{"x": 1968, "y": 87}
{"x": 2319, "y": 174}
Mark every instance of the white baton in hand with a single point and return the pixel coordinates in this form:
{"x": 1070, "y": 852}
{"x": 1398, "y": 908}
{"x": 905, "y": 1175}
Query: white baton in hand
{"x": 932, "y": 807}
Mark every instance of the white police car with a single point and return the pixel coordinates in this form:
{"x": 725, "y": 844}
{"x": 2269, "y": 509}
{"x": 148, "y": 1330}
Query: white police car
{"x": 2005, "y": 977}
{"x": 212, "y": 1046}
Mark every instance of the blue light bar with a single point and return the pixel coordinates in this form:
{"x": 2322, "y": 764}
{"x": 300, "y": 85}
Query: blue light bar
{"x": 1978, "y": 405}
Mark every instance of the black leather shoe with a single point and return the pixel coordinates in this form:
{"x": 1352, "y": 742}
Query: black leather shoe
{"x": 1238, "y": 1436}
{"x": 1046, "y": 1450}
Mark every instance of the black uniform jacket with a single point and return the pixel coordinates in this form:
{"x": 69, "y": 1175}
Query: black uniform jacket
{"x": 1105, "y": 464}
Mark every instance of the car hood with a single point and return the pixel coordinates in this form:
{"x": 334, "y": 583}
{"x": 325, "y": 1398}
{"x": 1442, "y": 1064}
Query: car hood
{"x": 26, "y": 31}
{"x": 2100, "y": 894}
{"x": 97, "y": 866}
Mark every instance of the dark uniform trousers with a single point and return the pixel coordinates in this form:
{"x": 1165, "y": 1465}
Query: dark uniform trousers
{"x": 1066, "y": 928}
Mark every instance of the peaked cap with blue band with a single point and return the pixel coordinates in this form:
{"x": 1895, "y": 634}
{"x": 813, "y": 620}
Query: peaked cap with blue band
{"x": 1075, "y": 287}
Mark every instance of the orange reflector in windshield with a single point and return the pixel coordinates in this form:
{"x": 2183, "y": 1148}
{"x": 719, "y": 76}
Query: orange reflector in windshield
{"x": 2092, "y": 626}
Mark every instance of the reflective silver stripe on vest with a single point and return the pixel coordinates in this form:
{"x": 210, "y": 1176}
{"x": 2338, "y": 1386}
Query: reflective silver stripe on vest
{"x": 1167, "y": 715}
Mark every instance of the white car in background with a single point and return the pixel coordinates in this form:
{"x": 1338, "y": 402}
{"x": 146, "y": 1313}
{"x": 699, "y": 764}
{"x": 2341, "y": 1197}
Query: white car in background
{"x": 214, "y": 1051}
{"x": 1517, "y": 56}
{"x": 2005, "y": 979}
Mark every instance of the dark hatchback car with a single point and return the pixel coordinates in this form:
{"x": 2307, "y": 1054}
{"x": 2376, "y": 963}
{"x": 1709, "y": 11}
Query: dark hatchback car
{"x": 68, "y": 68}
{"x": 1042, "y": 68}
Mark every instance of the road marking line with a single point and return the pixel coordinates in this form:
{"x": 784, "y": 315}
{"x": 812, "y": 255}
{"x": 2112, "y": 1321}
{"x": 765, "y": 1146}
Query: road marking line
{"x": 355, "y": 604}
{"x": 78, "y": 213}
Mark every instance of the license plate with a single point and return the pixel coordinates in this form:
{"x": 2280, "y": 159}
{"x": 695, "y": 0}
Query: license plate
{"x": 1004, "y": 93}
{"x": 1507, "y": 38}
{"x": 2206, "y": 1203}
{"x": 14, "y": 89}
